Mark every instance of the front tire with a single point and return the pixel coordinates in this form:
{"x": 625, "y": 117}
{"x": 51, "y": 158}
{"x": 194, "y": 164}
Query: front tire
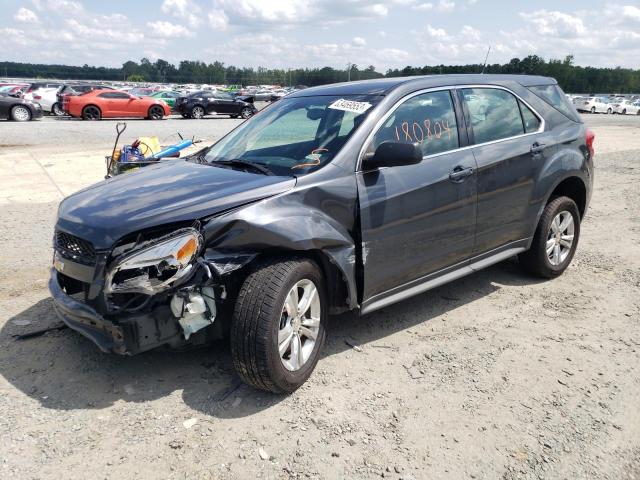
{"x": 246, "y": 112}
{"x": 156, "y": 113}
{"x": 278, "y": 325}
{"x": 593, "y": 110}
{"x": 197, "y": 112}
{"x": 555, "y": 240}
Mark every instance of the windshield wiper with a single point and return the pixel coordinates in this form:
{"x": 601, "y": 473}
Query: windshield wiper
{"x": 259, "y": 167}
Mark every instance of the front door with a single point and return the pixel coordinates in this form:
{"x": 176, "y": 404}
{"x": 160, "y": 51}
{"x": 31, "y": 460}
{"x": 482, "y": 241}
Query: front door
{"x": 417, "y": 219}
{"x": 225, "y": 104}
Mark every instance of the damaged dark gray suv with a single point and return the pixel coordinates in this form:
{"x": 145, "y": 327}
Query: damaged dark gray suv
{"x": 344, "y": 197}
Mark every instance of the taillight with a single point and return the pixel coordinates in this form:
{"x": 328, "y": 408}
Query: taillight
{"x": 37, "y": 97}
{"x": 589, "y": 138}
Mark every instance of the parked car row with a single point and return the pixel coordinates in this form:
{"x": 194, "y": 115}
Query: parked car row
{"x": 609, "y": 105}
{"x": 94, "y": 101}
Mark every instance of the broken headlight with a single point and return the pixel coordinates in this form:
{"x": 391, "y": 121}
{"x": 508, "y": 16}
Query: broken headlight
{"x": 157, "y": 266}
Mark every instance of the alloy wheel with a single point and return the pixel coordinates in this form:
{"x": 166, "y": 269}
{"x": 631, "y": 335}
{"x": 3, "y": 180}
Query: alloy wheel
{"x": 560, "y": 238}
{"x": 57, "y": 110}
{"x": 20, "y": 114}
{"x": 91, "y": 113}
{"x": 156, "y": 113}
{"x": 246, "y": 112}
{"x": 299, "y": 325}
{"x": 197, "y": 112}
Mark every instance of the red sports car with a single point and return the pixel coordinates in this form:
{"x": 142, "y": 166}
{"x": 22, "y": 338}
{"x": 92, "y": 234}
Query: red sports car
{"x": 99, "y": 104}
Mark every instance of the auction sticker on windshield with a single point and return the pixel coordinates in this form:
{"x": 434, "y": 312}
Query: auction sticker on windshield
{"x": 350, "y": 106}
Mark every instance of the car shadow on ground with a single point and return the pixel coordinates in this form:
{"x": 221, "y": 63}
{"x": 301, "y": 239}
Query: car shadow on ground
{"x": 62, "y": 370}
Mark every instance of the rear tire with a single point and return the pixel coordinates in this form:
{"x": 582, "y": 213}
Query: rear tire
{"x": 554, "y": 244}
{"x": 20, "y": 113}
{"x": 609, "y": 111}
{"x": 91, "y": 112}
{"x": 262, "y": 328}
{"x": 624, "y": 112}
{"x": 593, "y": 110}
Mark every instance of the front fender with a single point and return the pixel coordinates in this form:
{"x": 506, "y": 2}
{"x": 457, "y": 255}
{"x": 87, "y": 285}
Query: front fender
{"x": 299, "y": 221}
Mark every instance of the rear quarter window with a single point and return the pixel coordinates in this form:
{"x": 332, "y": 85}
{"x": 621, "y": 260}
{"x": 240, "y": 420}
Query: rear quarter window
{"x": 554, "y": 96}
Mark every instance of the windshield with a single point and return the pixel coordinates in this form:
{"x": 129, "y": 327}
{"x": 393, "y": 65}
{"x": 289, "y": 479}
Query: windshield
{"x": 295, "y": 135}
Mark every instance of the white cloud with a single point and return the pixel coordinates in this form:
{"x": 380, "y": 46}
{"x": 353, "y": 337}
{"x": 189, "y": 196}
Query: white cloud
{"x": 439, "y": 33}
{"x": 555, "y": 24}
{"x": 424, "y": 7}
{"x": 26, "y": 16}
{"x": 167, "y": 30}
{"x": 183, "y": 9}
{"x": 359, "y": 41}
{"x": 629, "y": 11}
{"x": 470, "y": 34}
{"x": 446, "y": 6}
{"x": 218, "y": 20}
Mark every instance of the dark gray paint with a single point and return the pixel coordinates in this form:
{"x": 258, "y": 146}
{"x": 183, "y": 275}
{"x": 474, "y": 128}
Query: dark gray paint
{"x": 379, "y": 235}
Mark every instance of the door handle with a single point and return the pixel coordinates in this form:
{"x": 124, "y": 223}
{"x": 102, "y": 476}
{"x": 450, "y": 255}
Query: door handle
{"x": 459, "y": 173}
{"x": 537, "y": 148}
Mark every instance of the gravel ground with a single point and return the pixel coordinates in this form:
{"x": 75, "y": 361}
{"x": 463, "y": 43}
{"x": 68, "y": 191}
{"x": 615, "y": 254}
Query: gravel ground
{"x": 496, "y": 375}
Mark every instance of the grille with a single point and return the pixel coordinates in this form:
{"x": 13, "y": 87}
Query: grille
{"x": 74, "y": 248}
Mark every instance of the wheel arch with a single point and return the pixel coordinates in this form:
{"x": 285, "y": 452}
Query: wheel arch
{"x": 573, "y": 187}
{"x": 336, "y": 284}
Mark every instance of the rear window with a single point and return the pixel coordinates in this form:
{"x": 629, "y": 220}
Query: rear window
{"x": 554, "y": 96}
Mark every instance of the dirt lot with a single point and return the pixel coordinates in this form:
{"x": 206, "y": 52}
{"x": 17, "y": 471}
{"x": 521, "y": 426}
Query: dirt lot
{"x": 493, "y": 376}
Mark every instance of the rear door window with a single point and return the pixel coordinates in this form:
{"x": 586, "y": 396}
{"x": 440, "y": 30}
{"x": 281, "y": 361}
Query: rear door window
{"x": 428, "y": 119}
{"x": 494, "y": 113}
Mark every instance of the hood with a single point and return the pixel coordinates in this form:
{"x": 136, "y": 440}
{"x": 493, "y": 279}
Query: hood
{"x": 173, "y": 191}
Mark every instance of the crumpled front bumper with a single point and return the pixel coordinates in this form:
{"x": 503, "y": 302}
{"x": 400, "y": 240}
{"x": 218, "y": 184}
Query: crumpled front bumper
{"x": 131, "y": 335}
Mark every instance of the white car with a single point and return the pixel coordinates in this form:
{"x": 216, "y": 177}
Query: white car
{"x": 626, "y": 107}
{"x": 47, "y": 98}
{"x": 593, "y": 105}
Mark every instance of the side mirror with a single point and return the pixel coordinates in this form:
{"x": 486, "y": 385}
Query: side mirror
{"x": 393, "y": 154}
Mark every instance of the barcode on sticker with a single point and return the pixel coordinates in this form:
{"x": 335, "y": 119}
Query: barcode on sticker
{"x": 350, "y": 106}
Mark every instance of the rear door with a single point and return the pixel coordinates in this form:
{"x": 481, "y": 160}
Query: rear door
{"x": 510, "y": 148}
{"x": 417, "y": 219}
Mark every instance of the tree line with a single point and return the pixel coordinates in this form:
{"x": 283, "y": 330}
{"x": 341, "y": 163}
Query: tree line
{"x": 571, "y": 78}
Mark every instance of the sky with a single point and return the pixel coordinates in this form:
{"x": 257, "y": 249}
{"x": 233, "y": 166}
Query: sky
{"x": 316, "y": 33}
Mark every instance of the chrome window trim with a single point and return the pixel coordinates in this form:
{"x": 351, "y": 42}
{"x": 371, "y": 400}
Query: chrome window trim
{"x": 451, "y": 89}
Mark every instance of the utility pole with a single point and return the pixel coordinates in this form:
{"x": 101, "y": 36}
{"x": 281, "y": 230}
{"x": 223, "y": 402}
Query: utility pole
{"x": 349, "y": 71}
